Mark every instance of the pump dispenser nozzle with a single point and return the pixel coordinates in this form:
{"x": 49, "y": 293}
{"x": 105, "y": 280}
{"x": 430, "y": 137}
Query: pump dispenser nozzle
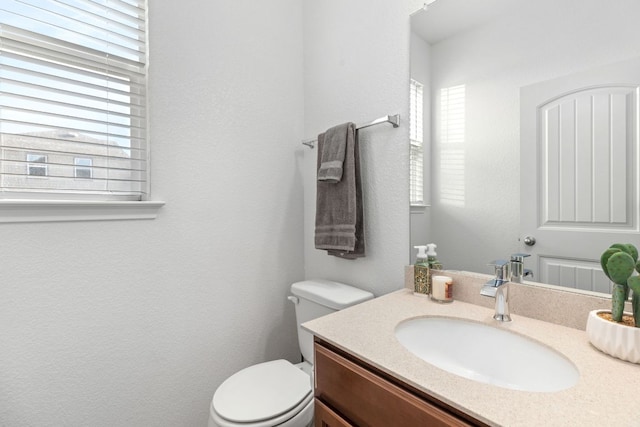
{"x": 422, "y": 251}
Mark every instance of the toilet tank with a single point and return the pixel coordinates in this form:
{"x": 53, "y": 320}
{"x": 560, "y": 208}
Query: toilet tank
{"x": 316, "y": 298}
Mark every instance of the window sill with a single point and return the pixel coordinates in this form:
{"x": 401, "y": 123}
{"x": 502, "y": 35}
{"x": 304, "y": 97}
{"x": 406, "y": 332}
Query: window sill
{"x": 12, "y": 211}
{"x": 418, "y": 209}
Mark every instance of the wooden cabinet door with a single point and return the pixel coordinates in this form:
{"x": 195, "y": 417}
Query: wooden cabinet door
{"x": 366, "y": 399}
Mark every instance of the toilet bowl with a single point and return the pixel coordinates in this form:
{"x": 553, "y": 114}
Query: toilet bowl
{"x": 278, "y": 392}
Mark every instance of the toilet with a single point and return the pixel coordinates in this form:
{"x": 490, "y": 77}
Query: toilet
{"x": 278, "y": 392}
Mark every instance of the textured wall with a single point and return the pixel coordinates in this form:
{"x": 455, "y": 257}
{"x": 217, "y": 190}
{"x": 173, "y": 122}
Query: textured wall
{"x": 135, "y": 323}
{"x": 357, "y": 69}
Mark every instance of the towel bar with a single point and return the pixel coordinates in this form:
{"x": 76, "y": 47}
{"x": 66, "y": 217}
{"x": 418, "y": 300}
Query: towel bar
{"x": 394, "y": 120}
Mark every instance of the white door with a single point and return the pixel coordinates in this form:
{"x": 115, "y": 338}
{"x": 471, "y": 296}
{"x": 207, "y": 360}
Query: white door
{"x": 579, "y": 172}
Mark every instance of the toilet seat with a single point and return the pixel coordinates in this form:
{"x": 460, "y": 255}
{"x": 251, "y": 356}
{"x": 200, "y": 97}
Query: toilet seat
{"x": 261, "y": 395}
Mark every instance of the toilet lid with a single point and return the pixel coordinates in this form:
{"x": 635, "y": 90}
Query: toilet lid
{"x": 261, "y": 392}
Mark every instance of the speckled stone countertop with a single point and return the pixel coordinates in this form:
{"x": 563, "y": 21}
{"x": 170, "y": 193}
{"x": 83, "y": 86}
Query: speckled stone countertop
{"x": 605, "y": 395}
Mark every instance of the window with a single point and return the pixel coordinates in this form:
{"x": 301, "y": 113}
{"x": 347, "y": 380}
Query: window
{"x": 36, "y": 164}
{"x": 73, "y": 86}
{"x": 83, "y": 167}
{"x": 416, "y": 153}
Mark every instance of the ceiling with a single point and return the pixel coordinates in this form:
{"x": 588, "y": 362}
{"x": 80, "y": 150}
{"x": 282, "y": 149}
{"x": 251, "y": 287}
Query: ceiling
{"x": 443, "y": 18}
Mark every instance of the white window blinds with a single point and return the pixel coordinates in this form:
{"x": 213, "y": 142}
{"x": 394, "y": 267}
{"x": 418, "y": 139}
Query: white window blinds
{"x": 416, "y": 153}
{"x": 73, "y": 86}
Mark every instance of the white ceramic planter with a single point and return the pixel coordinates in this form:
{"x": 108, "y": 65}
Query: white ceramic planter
{"x": 617, "y": 340}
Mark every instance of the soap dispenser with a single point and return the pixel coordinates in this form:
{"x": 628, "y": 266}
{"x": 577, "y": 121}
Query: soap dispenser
{"x": 432, "y": 259}
{"x": 421, "y": 273}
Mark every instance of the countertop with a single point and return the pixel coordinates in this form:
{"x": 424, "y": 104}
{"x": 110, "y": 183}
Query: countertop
{"x": 606, "y": 393}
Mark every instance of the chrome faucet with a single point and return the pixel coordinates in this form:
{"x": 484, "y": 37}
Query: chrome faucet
{"x": 498, "y": 288}
{"x": 518, "y": 272}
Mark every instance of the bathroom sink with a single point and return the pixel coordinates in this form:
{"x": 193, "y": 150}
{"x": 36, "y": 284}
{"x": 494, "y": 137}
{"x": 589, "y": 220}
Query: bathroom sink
{"x": 487, "y": 354}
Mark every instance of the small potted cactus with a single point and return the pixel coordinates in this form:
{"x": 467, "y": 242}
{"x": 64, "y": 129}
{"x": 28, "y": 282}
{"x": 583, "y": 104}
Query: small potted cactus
{"x": 615, "y": 332}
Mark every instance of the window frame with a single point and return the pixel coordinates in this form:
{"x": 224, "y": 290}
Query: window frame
{"x": 36, "y": 164}
{"x": 416, "y": 145}
{"x": 38, "y": 206}
{"x": 77, "y": 167}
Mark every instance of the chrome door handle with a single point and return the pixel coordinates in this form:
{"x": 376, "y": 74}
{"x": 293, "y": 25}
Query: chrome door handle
{"x": 529, "y": 241}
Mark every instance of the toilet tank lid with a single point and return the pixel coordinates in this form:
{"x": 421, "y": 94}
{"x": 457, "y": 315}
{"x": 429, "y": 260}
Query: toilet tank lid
{"x": 331, "y": 294}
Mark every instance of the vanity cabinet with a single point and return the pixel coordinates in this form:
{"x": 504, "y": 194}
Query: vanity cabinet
{"x": 348, "y": 392}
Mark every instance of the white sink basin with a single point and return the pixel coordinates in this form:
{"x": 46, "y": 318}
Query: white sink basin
{"x": 487, "y": 354}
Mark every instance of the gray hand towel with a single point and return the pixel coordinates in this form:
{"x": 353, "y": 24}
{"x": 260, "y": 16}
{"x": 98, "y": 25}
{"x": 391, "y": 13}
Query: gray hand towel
{"x": 333, "y": 152}
{"x": 339, "y": 213}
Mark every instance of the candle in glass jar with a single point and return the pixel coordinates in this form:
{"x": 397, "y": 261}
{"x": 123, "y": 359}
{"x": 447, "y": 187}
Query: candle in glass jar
{"x": 441, "y": 288}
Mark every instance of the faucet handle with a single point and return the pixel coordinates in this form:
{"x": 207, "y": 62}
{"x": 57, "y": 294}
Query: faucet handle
{"x": 502, "y": 269}
{"x": 519, "y": 257}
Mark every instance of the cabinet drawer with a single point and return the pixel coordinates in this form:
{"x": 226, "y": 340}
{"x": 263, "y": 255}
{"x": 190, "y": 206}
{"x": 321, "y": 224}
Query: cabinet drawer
{"x": 366, "y": 399}
{"x": 325, "y": 417}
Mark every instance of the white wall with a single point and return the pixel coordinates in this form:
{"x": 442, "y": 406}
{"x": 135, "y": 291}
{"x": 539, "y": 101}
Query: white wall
{"x": 357, "y": 69}
{"x": 135, "y": 323}
{"x": 546, "y": 39}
